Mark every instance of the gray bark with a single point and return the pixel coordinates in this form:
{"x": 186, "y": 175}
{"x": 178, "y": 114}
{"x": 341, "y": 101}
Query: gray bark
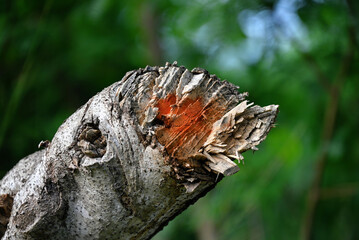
{"x": 133, "y": 157}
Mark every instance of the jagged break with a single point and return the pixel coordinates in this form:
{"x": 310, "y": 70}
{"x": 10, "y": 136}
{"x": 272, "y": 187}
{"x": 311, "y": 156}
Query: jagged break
{"x": 197, "y": 116}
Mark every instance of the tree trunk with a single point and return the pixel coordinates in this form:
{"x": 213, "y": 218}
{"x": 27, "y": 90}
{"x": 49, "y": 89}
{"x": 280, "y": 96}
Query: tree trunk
{"x": 133, "y": 157}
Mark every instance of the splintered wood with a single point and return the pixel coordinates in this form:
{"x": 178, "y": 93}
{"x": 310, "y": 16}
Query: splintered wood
{"x": 197, "y": 116}
{"x": 187, "y": 124}
{"x": 240, "y": 129}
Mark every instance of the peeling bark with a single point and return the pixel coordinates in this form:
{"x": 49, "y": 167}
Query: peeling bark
{"x": 133, "y": 157}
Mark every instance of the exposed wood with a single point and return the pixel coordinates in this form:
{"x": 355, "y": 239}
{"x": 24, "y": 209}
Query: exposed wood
{"x": 134, "y": 157}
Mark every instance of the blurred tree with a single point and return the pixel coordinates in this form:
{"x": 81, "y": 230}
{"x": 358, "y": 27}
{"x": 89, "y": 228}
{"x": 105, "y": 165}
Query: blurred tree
{"x": 300, "y": 54}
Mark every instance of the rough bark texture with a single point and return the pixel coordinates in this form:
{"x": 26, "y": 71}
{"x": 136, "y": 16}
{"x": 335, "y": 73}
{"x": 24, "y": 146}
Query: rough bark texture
{"x": 133, "y": 157}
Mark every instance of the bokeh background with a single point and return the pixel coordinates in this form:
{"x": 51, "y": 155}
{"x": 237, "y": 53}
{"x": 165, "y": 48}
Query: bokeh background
{"x": 300, "y": 54}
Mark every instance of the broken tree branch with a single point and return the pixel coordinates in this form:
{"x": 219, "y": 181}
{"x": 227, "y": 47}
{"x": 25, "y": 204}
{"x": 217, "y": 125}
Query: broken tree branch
{"x": 133, "y": 157}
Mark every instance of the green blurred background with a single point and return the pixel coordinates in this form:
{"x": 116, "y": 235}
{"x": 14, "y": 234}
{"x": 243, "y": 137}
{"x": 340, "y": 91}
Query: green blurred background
{"x": 300, "y": 54}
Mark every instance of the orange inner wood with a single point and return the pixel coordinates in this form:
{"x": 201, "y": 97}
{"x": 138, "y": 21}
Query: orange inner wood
{"x": 187, "y": 124}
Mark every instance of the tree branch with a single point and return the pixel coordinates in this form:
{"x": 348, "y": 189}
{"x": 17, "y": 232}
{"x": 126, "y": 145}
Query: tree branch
{"x": 149, "y": 24}
{"x": 321, "y": 77}
{"x": 343, "y": 190}
{"x": 327, "y": 133}
{"x": 133, "y": 157}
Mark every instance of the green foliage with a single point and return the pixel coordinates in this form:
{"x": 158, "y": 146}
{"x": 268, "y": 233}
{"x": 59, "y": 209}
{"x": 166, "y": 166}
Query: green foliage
{"x": 55, "y": 55}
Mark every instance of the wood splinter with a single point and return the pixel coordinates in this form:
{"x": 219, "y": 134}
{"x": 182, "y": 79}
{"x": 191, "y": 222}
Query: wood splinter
{"x": 197, "y": 115}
